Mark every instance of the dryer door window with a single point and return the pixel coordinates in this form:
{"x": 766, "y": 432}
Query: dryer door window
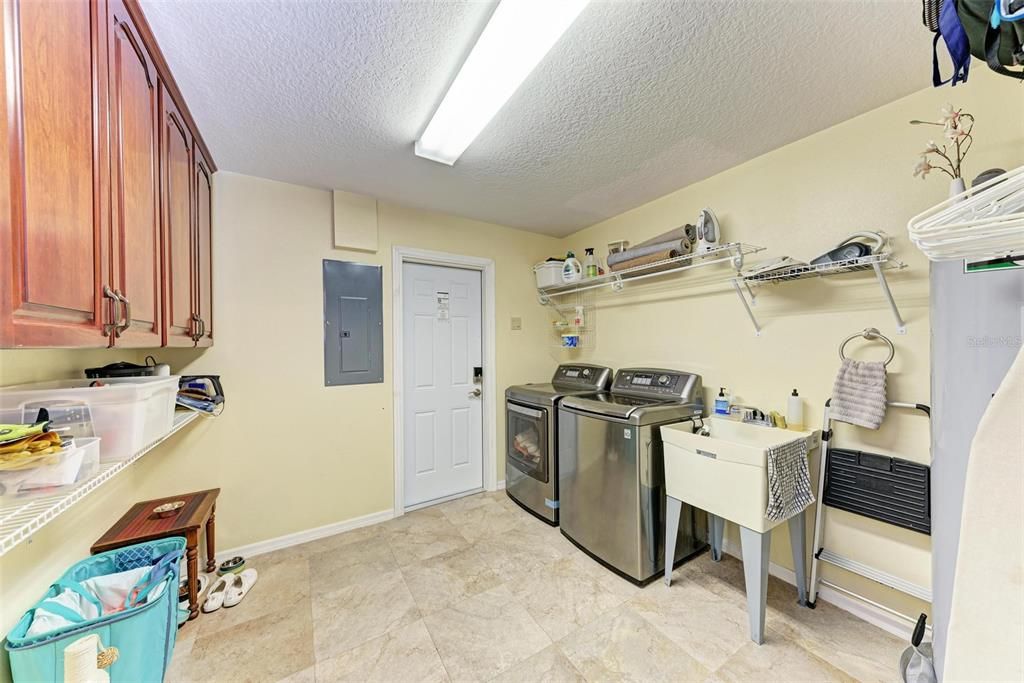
{"x": 526, "y": 430}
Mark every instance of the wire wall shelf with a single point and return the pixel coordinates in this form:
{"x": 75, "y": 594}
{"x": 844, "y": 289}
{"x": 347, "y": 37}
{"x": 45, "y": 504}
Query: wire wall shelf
{"x": 745, "y": 284}
{"x": 19, "y": 520}
{"x": 732, "y": 253}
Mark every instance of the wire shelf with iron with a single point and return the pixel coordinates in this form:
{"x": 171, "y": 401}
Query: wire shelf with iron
{"x": 732, "y": 253}
{"x": 877, "y": 262}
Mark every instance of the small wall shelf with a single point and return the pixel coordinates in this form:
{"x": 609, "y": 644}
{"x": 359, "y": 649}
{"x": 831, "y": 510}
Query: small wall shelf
{"x": 877, "y": 262}
{"x": 20, "y": 519}
{"x": 732, "y": 253}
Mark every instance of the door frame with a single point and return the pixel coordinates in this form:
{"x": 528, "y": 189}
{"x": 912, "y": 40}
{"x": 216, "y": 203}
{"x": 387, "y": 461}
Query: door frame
{"x": 489, "y": 404}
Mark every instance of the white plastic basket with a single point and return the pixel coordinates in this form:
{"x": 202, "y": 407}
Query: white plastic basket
{"x": 128, "y": 413}
{"x": 548, "y": 274}
{"x": 78, "y": 462}
{"x": 985, "y": 221}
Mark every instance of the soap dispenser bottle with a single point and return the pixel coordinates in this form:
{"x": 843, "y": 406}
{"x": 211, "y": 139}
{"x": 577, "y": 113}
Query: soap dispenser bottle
{"x": 721, "y": 402}
{"x": 795, "y": 412}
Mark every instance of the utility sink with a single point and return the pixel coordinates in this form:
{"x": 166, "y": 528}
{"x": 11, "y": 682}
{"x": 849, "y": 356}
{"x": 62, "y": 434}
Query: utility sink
{"x": 726, "y": 472}
{"x": 723, "y": 469}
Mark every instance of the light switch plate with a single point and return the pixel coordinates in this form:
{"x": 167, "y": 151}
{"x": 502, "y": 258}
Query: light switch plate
{"x": 517, "y": 323}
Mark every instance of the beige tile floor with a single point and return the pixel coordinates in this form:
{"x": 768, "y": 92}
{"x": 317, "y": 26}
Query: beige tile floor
{"x": 478, "y": 590}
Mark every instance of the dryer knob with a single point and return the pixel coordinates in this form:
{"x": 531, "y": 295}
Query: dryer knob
{"x": 663, "y": 380}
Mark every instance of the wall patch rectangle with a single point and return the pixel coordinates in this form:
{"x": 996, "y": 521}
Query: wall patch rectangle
{"x": 353, "y": 323}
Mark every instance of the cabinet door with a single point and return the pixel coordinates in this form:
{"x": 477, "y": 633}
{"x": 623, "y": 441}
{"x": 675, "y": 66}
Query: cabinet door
{"x": 179, "y": 253}
{"x": 204, "y": 247}
{"x": 54, "y": 256}
{"x": 134, "y": 167}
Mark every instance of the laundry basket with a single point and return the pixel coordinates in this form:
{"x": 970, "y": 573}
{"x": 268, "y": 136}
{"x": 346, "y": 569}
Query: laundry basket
{"x": 143, "y": 635}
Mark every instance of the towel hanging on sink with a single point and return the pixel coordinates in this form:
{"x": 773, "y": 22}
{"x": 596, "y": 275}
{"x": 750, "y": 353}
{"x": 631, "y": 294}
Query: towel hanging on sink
{"x": 789, "y": 480}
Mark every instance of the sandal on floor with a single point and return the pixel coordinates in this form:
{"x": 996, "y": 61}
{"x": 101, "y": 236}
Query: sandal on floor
{"x": 217, "y": 595}
{"x": 240, "y": 587}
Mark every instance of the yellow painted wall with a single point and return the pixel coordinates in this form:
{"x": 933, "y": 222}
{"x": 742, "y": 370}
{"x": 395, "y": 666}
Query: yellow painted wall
{"x": 288, "y": 453}
{"x": 801, "y": 200}
{"x": 335, "y": 462}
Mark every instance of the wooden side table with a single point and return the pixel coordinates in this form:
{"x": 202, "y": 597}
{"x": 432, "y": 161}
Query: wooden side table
{"x": 140, "y": 524}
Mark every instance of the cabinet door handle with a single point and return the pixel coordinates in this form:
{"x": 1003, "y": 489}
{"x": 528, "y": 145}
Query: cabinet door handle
{"x": 193, "y": 326}
{"x": 114, "y": 301}
{"x": 127, "y": 314}
{"x": 202, "y": 328}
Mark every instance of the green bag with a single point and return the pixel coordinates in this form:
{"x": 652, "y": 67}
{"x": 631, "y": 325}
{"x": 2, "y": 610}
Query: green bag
{"x": 144, "y": 635}
{"x": 1000, "y": 47}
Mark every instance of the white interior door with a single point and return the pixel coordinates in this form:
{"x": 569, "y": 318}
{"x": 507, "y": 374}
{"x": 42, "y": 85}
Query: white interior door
{"x": 443, "y": 420}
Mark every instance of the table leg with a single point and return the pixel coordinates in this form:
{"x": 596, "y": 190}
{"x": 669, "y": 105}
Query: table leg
{"x": 798, "y": 540}
{"x": 756, "y": 549}
{"x": 211, "y": 555}
{"x": 192, "y": 555}
{"x": 672, "y": 509}
{"x": 717, "y": 525}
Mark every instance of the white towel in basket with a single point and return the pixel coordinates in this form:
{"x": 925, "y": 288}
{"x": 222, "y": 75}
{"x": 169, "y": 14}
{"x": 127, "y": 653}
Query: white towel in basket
{"x": 858, "y": 395}
{"x": 789, "y": 480}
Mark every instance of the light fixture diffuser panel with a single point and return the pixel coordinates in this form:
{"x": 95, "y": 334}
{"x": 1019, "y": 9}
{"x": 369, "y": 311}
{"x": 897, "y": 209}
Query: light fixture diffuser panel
{"x": 515, "y": 40}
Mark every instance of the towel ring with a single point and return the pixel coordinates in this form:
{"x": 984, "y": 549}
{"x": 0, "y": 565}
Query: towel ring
{"x": 871, "y": 334}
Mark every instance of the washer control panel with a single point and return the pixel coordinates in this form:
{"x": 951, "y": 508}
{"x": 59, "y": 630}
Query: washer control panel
{"x": 656, "y": 382}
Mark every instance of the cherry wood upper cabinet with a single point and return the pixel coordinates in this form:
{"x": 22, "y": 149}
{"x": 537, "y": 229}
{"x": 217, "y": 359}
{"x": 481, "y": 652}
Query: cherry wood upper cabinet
{"x": 134, "y": 189}
{"x": 204, "y": 247}
{"x": 54, "y": 246}
{"x": 179, "y": 243}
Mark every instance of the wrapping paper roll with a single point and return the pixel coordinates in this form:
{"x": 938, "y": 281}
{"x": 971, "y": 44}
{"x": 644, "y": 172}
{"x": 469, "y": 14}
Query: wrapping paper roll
{"x": 686, "y": 232}
{"x": 644, "y": 260}
{"x": 680, "y": 246}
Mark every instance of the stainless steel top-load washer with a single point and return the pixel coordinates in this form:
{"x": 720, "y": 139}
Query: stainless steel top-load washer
{"x": 611, "y": 470}
{"x": 531, "y": 463}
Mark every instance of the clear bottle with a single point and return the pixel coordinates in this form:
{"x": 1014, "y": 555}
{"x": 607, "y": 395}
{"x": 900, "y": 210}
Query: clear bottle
{"x": 590, "y": 262}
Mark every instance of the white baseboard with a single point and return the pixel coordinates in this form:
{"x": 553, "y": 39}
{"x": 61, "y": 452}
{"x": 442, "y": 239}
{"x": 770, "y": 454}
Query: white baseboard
{"x": 300, "y": 537}
{"x": 500, "y": 486}
{"x": 902, "y": 627}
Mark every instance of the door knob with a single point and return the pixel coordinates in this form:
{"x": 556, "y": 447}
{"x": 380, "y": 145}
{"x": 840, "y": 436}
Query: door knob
{"x": 475, "y": 393}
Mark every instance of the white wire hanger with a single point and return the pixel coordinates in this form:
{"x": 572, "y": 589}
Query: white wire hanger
{"x": 985, "y": 221}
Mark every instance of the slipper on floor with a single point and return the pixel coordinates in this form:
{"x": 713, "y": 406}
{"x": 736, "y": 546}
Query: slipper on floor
{"x": 217, "y": 595}
{"x": 240, "y": 587}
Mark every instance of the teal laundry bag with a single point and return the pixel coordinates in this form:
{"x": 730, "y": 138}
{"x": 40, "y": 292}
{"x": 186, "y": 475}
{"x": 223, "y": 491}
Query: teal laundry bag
{"x": 143, "y": 635}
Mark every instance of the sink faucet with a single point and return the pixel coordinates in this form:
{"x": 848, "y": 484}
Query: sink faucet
{"x": 752, "y": 415}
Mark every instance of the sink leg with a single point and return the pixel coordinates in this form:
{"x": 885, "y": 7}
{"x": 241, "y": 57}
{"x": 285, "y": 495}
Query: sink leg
{"x": 798, "y": 539}
{"x": 756, "y": 551}
{"x": 717, "y": 531}
{"x": 673, "y": 508}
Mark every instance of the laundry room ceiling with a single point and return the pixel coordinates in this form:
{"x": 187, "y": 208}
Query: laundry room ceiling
{"x": 637, "y": 99}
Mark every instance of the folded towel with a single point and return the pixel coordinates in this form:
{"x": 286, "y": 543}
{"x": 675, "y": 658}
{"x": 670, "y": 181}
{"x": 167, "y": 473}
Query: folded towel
{"x": 789, "y": 480}
{"x": 682, "y": 246}
{"x": 858, "y": 395}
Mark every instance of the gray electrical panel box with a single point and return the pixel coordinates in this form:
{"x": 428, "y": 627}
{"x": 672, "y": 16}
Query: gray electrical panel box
{"x": 353, "y": 324}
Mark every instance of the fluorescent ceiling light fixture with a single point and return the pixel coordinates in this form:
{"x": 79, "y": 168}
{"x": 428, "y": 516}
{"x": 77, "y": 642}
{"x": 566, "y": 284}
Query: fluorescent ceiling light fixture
{"x": 516, "y": 38}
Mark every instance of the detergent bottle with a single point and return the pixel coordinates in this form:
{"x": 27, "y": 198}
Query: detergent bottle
{"x": 572, "y": 270}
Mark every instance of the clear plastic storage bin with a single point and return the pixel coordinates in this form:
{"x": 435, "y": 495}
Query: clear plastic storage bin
{"x": 128, "y": 413}
{"x": 63, "y": 471}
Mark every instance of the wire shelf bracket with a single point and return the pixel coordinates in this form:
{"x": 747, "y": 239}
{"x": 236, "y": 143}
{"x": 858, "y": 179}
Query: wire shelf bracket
{"x": 877, "y": 263}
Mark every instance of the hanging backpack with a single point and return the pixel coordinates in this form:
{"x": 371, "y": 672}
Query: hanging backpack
{"x": 992, "y": 30}
{"x": 995, "y": 30}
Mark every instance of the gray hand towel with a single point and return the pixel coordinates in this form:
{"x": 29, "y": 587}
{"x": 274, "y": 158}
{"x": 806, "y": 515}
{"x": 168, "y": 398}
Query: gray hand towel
{"x": 858, "y": 396}
{"x": 789, "y": 480}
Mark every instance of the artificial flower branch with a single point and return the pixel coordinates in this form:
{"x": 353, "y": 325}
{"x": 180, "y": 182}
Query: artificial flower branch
{"x": 957, "y": 126}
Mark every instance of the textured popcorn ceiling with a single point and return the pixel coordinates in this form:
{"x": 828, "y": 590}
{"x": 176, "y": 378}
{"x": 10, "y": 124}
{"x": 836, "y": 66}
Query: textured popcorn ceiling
{"x": 636, "y": 100}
